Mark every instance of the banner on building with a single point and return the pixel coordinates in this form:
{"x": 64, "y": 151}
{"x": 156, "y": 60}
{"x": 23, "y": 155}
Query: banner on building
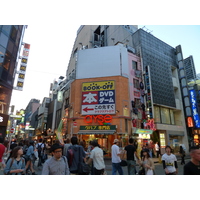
{"x": 22, "y": 69}
{"x": 98, "y": 98}
{"x": 59, "y": 132}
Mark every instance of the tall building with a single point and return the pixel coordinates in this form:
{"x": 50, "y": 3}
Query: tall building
{"x": 11, "y": 37}
{"x": 190, "y": 68}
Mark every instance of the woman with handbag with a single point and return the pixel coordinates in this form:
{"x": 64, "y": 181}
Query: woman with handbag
{"x": 147, "y": 163}
{"x": 16, "y": 163}
{"x": 30, "y": 157}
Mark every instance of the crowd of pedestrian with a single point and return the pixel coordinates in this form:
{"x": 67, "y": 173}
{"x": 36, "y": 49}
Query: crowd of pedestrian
{"x": 74, "y": 158}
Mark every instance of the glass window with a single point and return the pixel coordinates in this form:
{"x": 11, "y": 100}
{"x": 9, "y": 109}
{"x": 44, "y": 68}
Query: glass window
{"x": 10, "y": 46}
{"x": 185, "y": 92}
{"x": 183, "y": 82}
{"x": 2, "y": 55}
{"x": 3, "y": 40}
{"x": 186, "y": 101}
{"x": 165, "y": 116}
{"x": 157, "y": 114}
{"x": 136, "y": 83}
{"x": 134, "y": 65}
{"x": 172, "y": 117}
{"x": 13, "y": 34}
{"x": 188, "y": 111}
{"x": 7, "y": 60}
{"x": 6, "y": 29}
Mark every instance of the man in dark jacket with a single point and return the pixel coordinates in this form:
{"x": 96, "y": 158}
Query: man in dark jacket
{"x": 75, "y": 155}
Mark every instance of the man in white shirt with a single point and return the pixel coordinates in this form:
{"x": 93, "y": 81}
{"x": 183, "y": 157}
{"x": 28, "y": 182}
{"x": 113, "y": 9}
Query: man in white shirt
{"x": 97, "y": 157}
{"x": 116, "y": 158}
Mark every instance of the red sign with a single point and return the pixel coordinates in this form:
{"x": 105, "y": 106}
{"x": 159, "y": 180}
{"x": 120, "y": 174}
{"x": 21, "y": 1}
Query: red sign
{"x": 75, "y": 124}
{"x": 97, "y": 119}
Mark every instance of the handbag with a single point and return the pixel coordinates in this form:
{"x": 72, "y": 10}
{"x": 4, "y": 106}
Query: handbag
{"x": 149, "y": 172}
{"x": 123, "y": 163}
{"x": 141, "y": 171}
{"x": 83, "y": 168}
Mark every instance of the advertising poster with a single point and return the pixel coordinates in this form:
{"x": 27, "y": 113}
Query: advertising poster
{"x": 98, "y": 98}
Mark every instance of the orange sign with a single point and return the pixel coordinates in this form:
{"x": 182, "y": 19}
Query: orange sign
{"x": 101, "y": 119}
{"x": 190, "y": 122}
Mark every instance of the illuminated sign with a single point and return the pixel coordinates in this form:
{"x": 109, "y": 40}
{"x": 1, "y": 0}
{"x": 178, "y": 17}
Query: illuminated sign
{"x": 98, "y": 98}
{"x": 22, "y": 69}
{"x": 143, "y": 131}
{"x": 101, "y": 119}
{"x": 190, "y": 122}
{"x": 106, "y": 127}
{"x": 194, "y": 108}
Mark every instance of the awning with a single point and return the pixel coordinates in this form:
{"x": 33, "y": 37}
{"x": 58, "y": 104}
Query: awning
{"x": 142, "y": 131}
{"x": 107, "y": 132}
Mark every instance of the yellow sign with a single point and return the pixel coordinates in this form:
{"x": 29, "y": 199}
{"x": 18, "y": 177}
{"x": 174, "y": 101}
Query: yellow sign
{"x": 98, "y": 86}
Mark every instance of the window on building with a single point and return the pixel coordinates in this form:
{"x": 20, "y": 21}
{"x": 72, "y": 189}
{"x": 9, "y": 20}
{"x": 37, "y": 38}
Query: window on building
{"x": 157, "y": 114}
{"x": 7, "y": 60}
{"x": 134, "y": 65}
{"x": 3, "y": 40}
{"x": 172, "y": 117}
{"x": 136, "y": 83}
{"x": 165, "y": 117}
{"x": 2, "y": 55}
{"x": 137, "y": 103}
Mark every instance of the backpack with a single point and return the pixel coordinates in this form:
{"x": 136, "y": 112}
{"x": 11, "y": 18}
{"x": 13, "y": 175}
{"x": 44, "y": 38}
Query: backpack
{"x": 70, "y": 156}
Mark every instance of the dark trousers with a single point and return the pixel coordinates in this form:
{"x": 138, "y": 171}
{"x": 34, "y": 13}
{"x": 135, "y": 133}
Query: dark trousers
{"x": 98, "y": 172}
{"x": 182, "y": 160}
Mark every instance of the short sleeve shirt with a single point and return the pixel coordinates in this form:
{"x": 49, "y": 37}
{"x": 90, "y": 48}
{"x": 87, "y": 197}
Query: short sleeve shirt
{"x": 115, "y": 151}
{"x": 130, "y": 149}
{"x": 97, "y": 156}
{"x": 169, "y": 162}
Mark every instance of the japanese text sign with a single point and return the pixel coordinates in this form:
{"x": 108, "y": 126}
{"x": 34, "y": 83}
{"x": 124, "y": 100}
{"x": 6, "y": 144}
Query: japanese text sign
{"x": 98, "y": 98}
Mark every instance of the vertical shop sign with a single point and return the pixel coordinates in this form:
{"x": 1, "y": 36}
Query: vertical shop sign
{"x": 22, "y": 69}
{"x": 195, "y": 114}
{"x": 98, "y": 98}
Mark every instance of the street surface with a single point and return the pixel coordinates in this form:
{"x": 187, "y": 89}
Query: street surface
{"x": 158, "y": 167}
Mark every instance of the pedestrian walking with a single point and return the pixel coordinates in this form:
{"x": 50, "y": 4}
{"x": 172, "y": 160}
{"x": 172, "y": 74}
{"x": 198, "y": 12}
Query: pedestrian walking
{"x": 2, "y": 151}
{"x": 13, "y": 144}
{"x": 57, "y": 164}
{"x": 147, "y": 163}
{"x": 157, "y": 149}
{"x": 67, "y": 144}
{"x": 130, "y": 156}
{"x": 30, "y": 158}
{"x": 193, "y": 166}
{"x": 75, "y": 156}
{"x": 97, "y": 157}
{"x": 40, "y": 147}
{"x": 16, "y": 163}
{"x": 182, "y": 154}
{"x": 169, "y": 161}
{"x": 116, "y": 158}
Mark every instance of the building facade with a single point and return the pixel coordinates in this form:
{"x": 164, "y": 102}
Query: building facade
{"x": 11, "y": 37}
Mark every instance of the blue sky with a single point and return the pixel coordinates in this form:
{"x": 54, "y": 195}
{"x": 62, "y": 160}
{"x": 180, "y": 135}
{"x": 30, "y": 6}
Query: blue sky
{"x": 50, "y": 53}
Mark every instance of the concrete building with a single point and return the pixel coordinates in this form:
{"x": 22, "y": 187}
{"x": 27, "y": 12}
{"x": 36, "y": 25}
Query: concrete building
{"x": 190, "y": 68}
{"x": 157, "y": 84}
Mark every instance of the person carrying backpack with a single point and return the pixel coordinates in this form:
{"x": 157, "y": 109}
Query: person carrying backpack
{"x": 40, "y": 147}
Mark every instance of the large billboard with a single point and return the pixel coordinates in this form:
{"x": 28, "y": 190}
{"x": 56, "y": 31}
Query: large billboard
{"x": 22, "y": 69}
{"x": 98, "y": 98}
{"x": 195, "y": 113}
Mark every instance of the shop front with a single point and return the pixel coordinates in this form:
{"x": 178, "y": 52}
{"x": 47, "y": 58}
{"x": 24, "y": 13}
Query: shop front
{"x": 142, "y": 137}
{"x": 103, "y": 134}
